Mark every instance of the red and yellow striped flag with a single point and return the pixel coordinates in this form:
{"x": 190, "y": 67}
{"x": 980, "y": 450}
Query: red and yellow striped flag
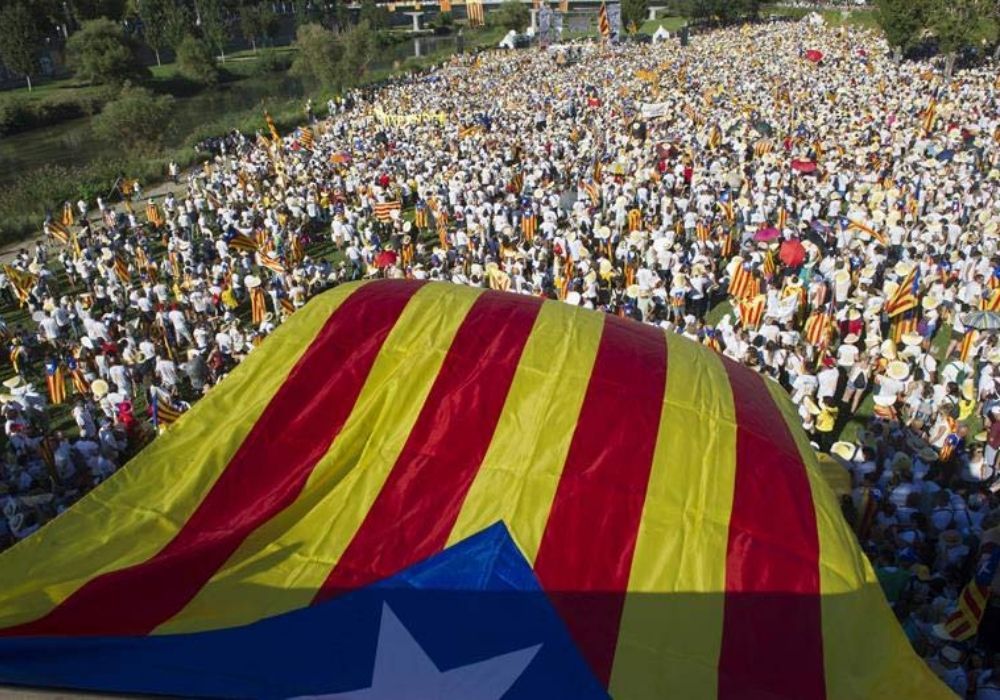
{"x": 258, "y": 307}
{"x": 390, "y": 420}
{"x": 743, "y": 284}
{"x": 967, "y": 342}
{"x": 273, "y": 128}
{"x": 121, "y": 269}
{"x": 603, "y": 25}
{"x": 907, "y": 296}
{"x": 859, "y": 226}
{"x": 929, "y": 117}
{"x": 445, "y": 6}
{"x": 383, "y": 210}
{"x": 153, "y": 215}
{"x": 752, "y": 312}
{"x": 67, "y": 215}
{"x": 55, "y": 381}
{"x": 58, "y": 231}
{"x": 476, "y": 13}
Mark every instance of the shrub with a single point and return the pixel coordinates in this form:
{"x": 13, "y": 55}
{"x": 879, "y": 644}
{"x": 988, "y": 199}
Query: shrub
{"x": 102, "y": 54}
{"x": 270, "y": 61}
{"x": 22, "y": 113}
{"x": 196, "y": 62}
{"x": 318, "y": 56}
{"x": 135, "y": 120}
{"x": 511, "y": 15}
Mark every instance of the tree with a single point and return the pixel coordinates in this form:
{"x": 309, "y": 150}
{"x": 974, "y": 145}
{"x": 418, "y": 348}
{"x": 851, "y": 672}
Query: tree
{"x": 512, "y": 15}
{"x": 359, "y": 48}
{"x": 19, "y": 40}
{"x": 318, "y": 57}
{"x": 177, "y": 24}
{"x": 634, "y": 12}
{"x": 84, "y": 10}
{"x": 958, "y": 25}
{"x": 154, "y": 15}
{"x": 371, "y": 14}
{"x": 902, "y": 22}
{"x": 213, "y": 24}
{"x": 304, "y": 12}
{"x": 196, "y": 62}
{"x": 135, "y": 119}
{"x": 257, "y": 21}
{"x": 102, "y": 54}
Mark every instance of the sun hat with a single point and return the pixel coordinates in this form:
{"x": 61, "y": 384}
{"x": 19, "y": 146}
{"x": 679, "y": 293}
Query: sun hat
{"x": 844, "y": 450}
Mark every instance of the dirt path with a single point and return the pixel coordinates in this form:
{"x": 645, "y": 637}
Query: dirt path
{"x": 159, "y": 190}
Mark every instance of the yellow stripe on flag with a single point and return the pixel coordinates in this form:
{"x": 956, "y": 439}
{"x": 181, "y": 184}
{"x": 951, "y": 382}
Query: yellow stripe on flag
{"x": 165, "y": 492}
{"x": 678, "y": 579}
{"x": 284, "y": 562}
{"x": 531, "y": 441}
{"x": 865, "y": 652}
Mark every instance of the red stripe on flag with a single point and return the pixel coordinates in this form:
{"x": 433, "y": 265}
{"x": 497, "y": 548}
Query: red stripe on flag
{"x": 420, "y": 501}
{"x": 968, "y": 595}
{"x": 320, "y": 393}
{"x": 772, "y": 638}
{"x": 585, "y": 556}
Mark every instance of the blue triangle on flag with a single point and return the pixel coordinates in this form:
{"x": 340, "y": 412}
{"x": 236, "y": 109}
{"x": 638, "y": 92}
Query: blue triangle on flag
{"x": 475, "y": 608}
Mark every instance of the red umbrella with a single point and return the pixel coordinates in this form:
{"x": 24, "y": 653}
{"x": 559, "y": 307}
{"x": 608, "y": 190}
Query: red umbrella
{"x": 765, "y": 235}
{"x": 804, "y": 166}
{"x": 814, "y": 55}
{"x": 792, "y": 253}
{"x": 386, "y": 258}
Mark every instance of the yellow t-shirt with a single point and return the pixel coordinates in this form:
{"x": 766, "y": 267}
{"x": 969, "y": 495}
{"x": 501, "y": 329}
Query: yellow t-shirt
{"x": 826, "y": 419}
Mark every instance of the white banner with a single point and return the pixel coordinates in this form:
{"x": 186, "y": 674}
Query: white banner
{"x": 615, "y": 20}
{"x": 652, "y": 110}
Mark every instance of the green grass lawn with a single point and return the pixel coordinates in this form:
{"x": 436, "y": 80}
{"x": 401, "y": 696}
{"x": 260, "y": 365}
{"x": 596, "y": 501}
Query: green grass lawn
{"x": 671, "y": 24}
{"x": 861, "y": 17}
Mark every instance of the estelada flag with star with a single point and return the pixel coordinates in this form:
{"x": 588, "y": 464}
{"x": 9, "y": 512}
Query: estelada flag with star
{"x": 461, "y": 493}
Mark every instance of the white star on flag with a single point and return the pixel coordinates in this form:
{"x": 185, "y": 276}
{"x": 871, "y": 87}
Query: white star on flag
{"x": 403, "y": 671}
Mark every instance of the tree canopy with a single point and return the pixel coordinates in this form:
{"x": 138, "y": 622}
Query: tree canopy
{"x": 19, "y": 40}
{"x": 101, "y": 53}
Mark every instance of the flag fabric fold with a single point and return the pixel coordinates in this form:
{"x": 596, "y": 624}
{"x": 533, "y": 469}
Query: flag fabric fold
{"x": 340, "y": 487}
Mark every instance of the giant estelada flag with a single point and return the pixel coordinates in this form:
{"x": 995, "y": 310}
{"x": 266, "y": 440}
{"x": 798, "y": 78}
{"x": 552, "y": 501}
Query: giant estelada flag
{"x": 430, "y": 491}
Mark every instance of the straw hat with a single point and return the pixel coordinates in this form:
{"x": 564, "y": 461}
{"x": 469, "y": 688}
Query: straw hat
{"x": 912, "y": 339}
{"x": 632, "y": 292}
{"x": 251, "y": 281}
{"x": 573, "y": 298}
{"x": 851, "y": 339}
{"x": 888, "y": 349}
{"x": 844, "y": 450}
{"x": 99, "y": 388}
{"x": 14, "y": 382}
{"x": 898, "y": 370}
{"x": 903, "y": 268}
{"x": 930, "y": 302}
{"x": 884, "y": 400}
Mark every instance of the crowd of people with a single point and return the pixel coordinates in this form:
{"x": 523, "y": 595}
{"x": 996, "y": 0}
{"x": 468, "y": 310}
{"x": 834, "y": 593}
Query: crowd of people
{"x": 786, "y": 194}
